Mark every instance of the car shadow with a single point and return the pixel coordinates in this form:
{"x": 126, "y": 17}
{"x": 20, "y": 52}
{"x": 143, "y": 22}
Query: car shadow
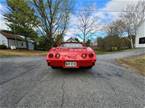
{"x": 86, "y": 73}
{"x": 72, "y": 72}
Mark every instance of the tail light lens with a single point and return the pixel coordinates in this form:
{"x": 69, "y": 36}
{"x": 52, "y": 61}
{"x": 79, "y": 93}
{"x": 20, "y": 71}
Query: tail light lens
{"x": 84, "y": 56}
{"x": 91, "y": 55}
{"x": 50, "y": 55}
{"x": 57, "y": 55}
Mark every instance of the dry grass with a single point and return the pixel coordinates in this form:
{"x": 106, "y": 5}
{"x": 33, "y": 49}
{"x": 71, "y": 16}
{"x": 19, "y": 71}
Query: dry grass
{"x": 137, "y": 63}
{"x": 7, "y": 53}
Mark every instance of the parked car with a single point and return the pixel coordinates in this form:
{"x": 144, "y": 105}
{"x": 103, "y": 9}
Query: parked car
{"x": 71, "y": 55}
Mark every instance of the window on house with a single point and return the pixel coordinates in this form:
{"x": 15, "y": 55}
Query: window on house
{"x": 142, "y": 40}
{"x": 3, "y": 42}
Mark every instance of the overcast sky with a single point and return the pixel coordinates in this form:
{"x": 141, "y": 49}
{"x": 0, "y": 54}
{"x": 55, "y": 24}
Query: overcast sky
{"x": 107, "y": 10}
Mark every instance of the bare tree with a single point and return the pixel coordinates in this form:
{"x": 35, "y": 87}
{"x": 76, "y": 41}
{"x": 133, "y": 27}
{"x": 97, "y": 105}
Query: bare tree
{"x": 54, "y": 17}
{"x": 87, "y": 24}
{"x": 116, "y": 28}
{"x": 134, "y": 15}
{"x": 115, "y": 32}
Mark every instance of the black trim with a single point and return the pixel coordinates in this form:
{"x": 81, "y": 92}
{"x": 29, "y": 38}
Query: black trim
{"x": 142, "y": 40}
{"x": 15, "y": 39}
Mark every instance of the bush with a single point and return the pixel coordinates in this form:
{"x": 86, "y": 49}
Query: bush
{"x": 113, "y": 43}
{"x": 3, "y": 47}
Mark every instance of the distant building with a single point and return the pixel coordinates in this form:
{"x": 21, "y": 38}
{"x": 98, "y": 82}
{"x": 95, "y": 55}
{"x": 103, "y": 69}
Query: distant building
{"x": 73, "y": 40}
{"x": 13, "y": 41}
{"x": 140, "y": 37}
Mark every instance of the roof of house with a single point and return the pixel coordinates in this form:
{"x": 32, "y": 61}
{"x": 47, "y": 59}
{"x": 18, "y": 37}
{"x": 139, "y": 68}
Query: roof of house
{"x": 14, "y": 36}
{"x": 72, "y": 40}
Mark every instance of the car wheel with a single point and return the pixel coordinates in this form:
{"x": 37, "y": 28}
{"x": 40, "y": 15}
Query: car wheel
{"x": 89, "y": 67}
{"x": 54, "y": 67}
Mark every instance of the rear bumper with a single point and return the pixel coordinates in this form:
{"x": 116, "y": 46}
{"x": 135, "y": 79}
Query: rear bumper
{"x": 80, "y": 63}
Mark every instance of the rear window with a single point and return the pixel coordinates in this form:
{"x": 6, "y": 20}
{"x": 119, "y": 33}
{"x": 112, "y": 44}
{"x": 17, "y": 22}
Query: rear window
{"x": 72, "y": 45}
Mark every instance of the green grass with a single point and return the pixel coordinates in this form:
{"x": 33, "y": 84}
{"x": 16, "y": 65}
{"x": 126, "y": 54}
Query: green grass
{"x": 101, "y": 52}
{"x": 9, "y": 53}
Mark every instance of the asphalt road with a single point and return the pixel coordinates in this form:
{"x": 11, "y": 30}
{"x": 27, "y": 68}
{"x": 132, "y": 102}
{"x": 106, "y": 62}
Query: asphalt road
{"x": 30, "y": 83}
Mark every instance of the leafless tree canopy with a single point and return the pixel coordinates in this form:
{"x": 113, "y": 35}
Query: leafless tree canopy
{"x": 53, "y": 16}
{"x": 87, "y": 24}
{"x": 116, "y": 28}
{"x": 134, "y": 16}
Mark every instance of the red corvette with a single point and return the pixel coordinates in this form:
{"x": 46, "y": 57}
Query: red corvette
{"x": 71, "y": 55}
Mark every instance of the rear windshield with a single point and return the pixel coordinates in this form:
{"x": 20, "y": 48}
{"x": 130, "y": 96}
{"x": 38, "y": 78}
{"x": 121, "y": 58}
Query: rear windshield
{"x": 72, "y": 45}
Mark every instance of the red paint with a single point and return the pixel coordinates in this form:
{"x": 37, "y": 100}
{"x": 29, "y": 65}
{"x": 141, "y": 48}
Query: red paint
{"x": 80, "y": 56}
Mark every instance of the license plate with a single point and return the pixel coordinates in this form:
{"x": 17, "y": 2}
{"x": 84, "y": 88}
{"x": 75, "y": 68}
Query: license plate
{"x": 70, "y": 64}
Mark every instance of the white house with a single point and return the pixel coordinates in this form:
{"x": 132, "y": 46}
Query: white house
{"x": 15, "y": 41}
{"x": 140, "y": 37}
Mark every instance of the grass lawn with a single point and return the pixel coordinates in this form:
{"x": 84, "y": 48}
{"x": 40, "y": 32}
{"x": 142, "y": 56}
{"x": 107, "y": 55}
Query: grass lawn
{"x": 7, "y": 53}
{"x": 137, "y": 63}
{"x": 102, "y": 52}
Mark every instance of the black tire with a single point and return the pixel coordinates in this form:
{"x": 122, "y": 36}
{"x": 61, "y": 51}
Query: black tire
{"x": 54, "y": 67}
{"x": 89, "y": 67}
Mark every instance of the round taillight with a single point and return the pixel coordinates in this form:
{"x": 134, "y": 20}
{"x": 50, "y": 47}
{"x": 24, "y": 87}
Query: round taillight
{"x": 84, "y": 55}
{"x": 50, "y": 55}
{"x": 91, "y": 55}
{"x": 57, "y": 55}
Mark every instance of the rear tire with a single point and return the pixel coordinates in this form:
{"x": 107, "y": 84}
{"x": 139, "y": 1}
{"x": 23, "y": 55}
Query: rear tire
{"x": 54, "y": 67}
{"x": 89, "y": 67}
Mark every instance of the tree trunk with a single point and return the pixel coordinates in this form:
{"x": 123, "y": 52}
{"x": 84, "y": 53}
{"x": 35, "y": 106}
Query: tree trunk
{"x": 131, "y": 42}
{"x": 49, "y": 41}
{"x": 84, "y": 40}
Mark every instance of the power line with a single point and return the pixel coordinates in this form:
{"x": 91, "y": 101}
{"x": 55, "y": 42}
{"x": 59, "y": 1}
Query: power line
{"x": 98, "y": 10}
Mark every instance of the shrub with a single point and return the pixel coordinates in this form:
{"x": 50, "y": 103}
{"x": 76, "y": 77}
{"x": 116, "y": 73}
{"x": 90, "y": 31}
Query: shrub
{"x": 113, "y": 43}
{"x": 3, "y": 47}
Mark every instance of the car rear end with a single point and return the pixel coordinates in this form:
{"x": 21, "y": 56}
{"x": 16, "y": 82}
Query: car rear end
{"x": 71, "y": 57}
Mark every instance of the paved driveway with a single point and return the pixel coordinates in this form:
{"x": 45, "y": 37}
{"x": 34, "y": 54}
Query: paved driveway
{"x": 29, "y": 83}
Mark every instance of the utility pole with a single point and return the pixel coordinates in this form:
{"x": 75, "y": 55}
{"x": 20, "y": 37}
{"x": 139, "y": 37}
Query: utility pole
{"x": 15, "y": 37}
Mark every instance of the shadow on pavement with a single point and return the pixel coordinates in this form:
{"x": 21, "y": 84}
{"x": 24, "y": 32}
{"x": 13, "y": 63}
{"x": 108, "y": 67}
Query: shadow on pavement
{"x": 86, "y": 73}
{"x": 72, "y": 72}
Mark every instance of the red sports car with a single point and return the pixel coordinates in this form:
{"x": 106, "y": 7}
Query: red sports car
{"x": 71, "y": 55}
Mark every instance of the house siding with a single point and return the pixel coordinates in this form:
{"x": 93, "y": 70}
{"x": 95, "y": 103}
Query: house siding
{"x": 140, "y": 34}
{"x": 3, "y": 40}
{"x": 21, "y": 44}
{"x": 15, "y": 43}
{"x": 11, "y": 43}
{"x": 31, "y": 46}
